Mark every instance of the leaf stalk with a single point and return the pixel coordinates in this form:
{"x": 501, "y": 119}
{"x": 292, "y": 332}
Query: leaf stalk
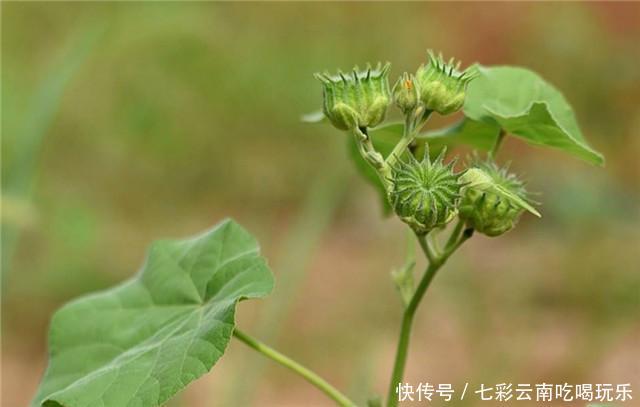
{"x": 296, "y": 367}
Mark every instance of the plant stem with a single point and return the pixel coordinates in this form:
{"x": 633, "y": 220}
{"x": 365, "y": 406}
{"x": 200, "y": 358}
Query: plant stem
{"x": 427, "y": 248}
{"x": 455, "y": 235}
{"x": 296, "y": 367}
{"x": 411, "y": 127}
{"x": 410, "y": 310}
{"x": 373, "y": 157}
{"x": 466, "y": 234}
{"x": 407, "y": 138}
{"x": 405, "y": 333}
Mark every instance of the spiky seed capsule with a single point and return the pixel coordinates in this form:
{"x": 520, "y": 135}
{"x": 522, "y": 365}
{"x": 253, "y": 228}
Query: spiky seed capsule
{"x": 406, "y": 94}
{"x": 359, "y": 99}
{"x": 442, "y": 86}
{"x": 425, "y": 193}
{"x": 492, "y": 199}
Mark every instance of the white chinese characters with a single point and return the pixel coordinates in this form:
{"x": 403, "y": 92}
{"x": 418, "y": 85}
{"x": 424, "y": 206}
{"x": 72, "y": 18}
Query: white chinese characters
{"x": 509, "y": 392}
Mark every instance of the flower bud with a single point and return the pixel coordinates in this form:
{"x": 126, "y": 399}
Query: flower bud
{"x": 425, "y": 194}
{"x": 357, "y": 100}
{"x": 405, "y": 93}
{"x": 492, "y": 199}
{"x": 442, "y": 86}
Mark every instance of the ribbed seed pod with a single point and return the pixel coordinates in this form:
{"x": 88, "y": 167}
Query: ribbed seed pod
{"x": 492, "y": 199}
{"x": 442, "y": 86}
{"x": 359, "y": 99}
{"x": 425, "y": 194}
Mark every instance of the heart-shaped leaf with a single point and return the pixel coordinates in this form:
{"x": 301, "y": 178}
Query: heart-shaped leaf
{"x": 525, "y": 105}
{"x": 143, "y": 341}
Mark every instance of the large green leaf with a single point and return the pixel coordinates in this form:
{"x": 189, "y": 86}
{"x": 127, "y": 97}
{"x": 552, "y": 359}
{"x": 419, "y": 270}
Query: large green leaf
{"x": 526, "y": 106}
{"x": 141, "y": 342}
{"x": 473, "y": 133}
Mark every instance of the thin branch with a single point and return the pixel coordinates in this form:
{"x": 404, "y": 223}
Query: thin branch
{"x": 296, "y": 367}
{"x": 427, "y": 248}
{"x": 409, "y": 312}
{"x": 455, "y": 234}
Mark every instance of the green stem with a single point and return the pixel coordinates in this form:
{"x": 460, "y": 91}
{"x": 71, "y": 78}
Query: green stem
{"x": 411, "y": 127}
{"x": 373, "y": 157}
{"x": 407, "y": 138}
{"x": 455, "y": 235}
{"x": 465, "y": 236}
{"x": 432, "y": 240}
{"x": 410, "y": 310}
{"x": 427, "y": 248}
{"x": 296, "y": 367}
{"x": 405, "y": 333}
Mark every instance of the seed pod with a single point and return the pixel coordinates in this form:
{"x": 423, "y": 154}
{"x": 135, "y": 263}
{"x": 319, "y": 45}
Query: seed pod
{"x": 359, "y": 100}
{"x": 406, "y": 94}
{"x": 425, "y": 194}
{"x": 492, "y": 199}
{"x": 442, "y": 86}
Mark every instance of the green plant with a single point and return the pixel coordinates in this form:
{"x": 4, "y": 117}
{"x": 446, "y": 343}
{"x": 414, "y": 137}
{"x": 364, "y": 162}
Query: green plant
{"x": 145, "y": 340}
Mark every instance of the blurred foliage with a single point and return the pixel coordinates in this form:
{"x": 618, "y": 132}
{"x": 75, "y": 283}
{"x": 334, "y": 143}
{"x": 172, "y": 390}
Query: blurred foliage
{"x": 183, "y": 113}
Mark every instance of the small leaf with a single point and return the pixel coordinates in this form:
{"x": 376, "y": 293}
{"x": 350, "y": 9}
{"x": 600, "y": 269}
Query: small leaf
{"x": 500, "y": 190}
{"x": 485, "y": 183}
{"x": 143, "y": 341}
{"x": 313, "y": 117}
{"x": 525, "y": 105}
{"x": 403, "y": 280}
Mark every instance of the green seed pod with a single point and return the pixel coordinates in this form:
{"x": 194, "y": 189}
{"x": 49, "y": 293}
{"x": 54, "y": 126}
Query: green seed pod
{"x": 442, "y": 86}
{"x": 492, "y": 199}
{"x": 357, "y": 100}
{"x": 425, "y": 194}
{"x": 406, "y": 94}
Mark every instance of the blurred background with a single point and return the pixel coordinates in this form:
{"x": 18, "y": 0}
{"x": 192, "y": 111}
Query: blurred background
{"x": 125, "y": 123}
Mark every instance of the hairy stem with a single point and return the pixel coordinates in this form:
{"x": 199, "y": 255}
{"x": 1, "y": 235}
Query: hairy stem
{"x": 407, "y": 138}
{"x": 411, "y": 127}
{"x": 455, "y": 235}
{"x": 405, "y": 333}
{"x": 427, "y": 248}
{"x": 296, "y": 367}
{"x": 410, "y": 310}
{"x": 372, "y": 156}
